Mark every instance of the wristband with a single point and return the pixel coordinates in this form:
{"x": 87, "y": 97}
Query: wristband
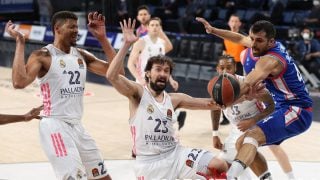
{"x": 215, "y": 133}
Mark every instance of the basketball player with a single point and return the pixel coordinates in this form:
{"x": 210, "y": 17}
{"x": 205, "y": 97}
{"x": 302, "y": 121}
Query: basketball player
{"x": 159, "y": 154}
{"x": 32, "y": 114}
{"x": 144, "y": 17}
{"x": 267, "y": 60}
{"x": 154, "y": 42}
{"x": 147, "y": 46}
{"x": 61, "y": 70}
{"x": 243, "y": 116}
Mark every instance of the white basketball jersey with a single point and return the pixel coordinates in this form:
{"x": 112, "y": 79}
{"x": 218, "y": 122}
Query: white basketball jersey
{"x": 152, "y": 126}
{"x": 150, "y": 49}
{"x": 63, "y": 86}
{"x": 243, "y": 110}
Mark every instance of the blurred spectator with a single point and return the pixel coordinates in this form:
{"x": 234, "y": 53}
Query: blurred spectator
{"x": 194, "y": 8}
{"x": 309, "y": 50}
{"x": 314, "y": 17}
{"x": 167, "y": 10}
{"x": 231, "y": 48}
{"x": 274, "y": 15}
{"x": 45, "y": 12}
{"x": 143, "y": 16}
{"x": 122, "y": 10}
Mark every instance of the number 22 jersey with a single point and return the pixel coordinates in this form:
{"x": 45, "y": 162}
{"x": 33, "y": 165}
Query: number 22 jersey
{"x": 63, "y": 85}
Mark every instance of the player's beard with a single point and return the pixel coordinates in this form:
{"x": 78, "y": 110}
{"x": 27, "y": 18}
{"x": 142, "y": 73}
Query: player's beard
{"x": 259, "y": 52}
{"x": 157, "y": 88}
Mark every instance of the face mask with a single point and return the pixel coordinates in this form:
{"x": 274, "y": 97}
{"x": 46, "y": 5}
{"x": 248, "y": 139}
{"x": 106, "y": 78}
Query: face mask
{"x": 306, "y": 36}
{"x": 315, "y": 3}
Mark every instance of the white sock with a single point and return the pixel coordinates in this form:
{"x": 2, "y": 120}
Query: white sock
{"x": 265, "y": 176}
{"x": 290, "y": 175}
{"x": 235, "y": 170}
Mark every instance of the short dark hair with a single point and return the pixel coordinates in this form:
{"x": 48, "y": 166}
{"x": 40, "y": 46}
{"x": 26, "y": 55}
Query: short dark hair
{"x": 61, "y": 17}
{"x": 143, "y": 7}
{"x": 227, "y": 57}
{"x": 234, "y": 15}
{"x": 265, "y": 26}
{"x": 155, "y": 19}
{"x": 159, "y": 59}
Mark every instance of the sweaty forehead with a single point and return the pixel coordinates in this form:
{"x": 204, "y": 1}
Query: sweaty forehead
{"x": 162, "y": 66}
{"x": 260, "y": 34}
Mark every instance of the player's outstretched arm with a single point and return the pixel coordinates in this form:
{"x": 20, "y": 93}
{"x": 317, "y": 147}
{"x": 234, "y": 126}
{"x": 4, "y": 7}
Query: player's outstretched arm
{"x": 121, "y": 83}
{"x": 96, "y": 25}
{"x": 174, "y": 84}
{"x": 267, "y": 65}
{"x": 32, "y": 114}
{"x": 225, "y": 34}
{"x": 22, "y": 74}
{"x": 181, "y": 100}
{"x": 267, "y": 99}
{"x": 134, "y": 58}
{"x": 215, "y": 117}
{"x": 167, "y": 43}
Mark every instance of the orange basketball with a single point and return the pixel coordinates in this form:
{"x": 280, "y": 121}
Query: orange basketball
{"x": 224, "y": 89}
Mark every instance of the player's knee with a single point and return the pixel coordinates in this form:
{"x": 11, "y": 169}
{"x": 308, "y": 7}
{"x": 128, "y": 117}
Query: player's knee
{"x": 255, "y": 136}
{"x": 239, "y": 142}
{"x": 219, "y": 164}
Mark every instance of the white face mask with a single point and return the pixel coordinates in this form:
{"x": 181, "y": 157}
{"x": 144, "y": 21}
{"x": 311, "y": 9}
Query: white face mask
{"x": 306, "y": 36}
{"x": 316, "y": 2}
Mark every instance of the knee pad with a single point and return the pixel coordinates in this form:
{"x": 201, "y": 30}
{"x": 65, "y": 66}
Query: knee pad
{"x": 250, "y": 140}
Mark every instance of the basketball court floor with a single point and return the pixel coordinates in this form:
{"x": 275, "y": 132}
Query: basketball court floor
{"x": 106, "y": 118}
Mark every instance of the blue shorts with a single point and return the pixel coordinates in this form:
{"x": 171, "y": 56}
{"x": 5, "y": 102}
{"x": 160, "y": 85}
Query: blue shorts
{"x": 285, "y": 122}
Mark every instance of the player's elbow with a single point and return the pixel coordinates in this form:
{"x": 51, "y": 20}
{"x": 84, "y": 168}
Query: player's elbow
{"x": 169, "y": 48}
{"x": 18, "y": 85}
{"x": 111, "y": 77}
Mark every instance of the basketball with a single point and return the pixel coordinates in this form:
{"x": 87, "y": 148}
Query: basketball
{"x": 224, "y": 89}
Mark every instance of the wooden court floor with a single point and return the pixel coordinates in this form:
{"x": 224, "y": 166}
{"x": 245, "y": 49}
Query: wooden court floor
{"x": 106, "y": 119}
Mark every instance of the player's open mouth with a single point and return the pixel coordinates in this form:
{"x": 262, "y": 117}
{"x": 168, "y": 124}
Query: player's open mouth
{"x": 161, "y": 82}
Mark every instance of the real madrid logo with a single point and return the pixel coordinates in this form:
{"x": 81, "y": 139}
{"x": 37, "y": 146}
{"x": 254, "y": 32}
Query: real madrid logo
{"x": 150, "y": 109}
{"x": 62, "y": 64}
{"x": 80, "y": 62}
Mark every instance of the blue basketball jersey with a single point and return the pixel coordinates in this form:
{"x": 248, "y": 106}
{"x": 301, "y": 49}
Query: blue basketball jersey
{"x": 288, "y": 88}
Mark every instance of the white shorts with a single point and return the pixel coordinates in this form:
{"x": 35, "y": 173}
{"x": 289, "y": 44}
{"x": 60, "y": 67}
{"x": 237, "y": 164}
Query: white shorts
{"x": 181, "y": 163}
{"x": 229, "y": 152}
{"x": 71, "y": 150}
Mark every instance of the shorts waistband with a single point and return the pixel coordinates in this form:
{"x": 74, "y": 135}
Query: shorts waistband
{"x": 155, "y": 157}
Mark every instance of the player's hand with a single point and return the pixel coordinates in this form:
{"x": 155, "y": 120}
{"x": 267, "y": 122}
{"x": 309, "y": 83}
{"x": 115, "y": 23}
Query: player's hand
{"x": 174, "y": 84}
{"x": 245, "y": 124}
{"x": 96, "y": 25}
{"x": 128, "y": 31}
{"x": 214, "y": 105}
{"x": 217, "y": 142}
{"x": 33, "y": 113}
{"x": 256, "y": 90}
{"x": 142, "y": 81}
{"x": 207, "y": 26}
{"x": 13, "y": 32}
